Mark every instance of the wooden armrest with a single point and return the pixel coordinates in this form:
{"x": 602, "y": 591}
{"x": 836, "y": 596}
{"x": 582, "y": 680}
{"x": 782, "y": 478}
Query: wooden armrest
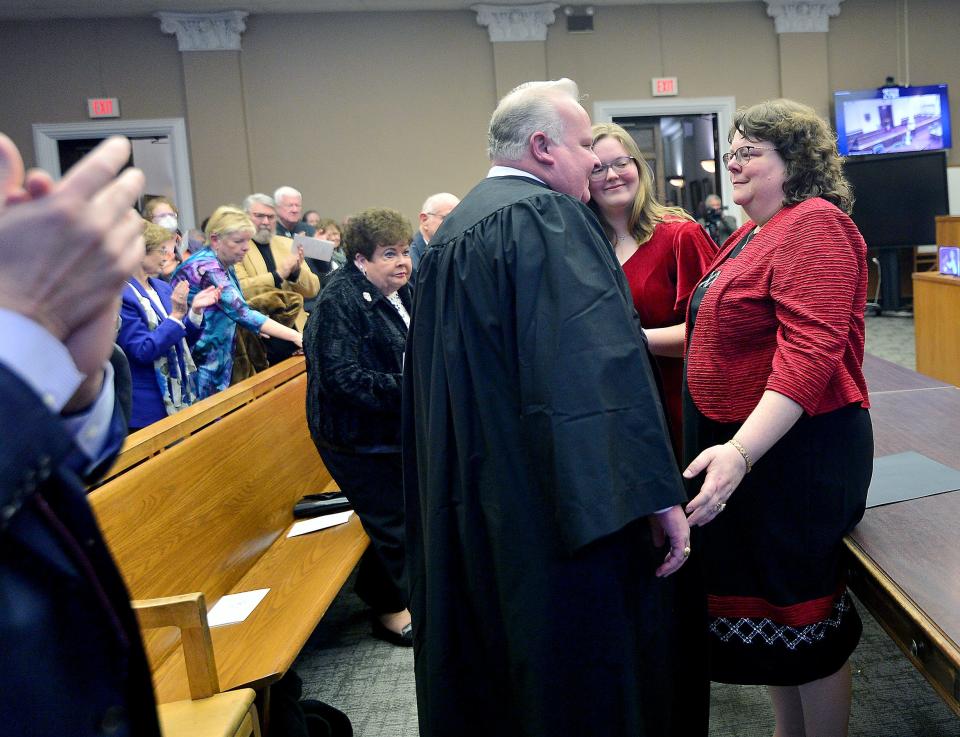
{"x": 188, "y": 613}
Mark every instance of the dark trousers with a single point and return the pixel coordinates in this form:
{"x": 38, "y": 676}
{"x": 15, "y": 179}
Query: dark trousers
{"x": 374, "y": 485}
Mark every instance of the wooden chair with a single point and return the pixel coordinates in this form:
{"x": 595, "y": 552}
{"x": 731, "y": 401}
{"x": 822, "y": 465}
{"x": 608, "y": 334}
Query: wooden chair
{"x": 208, "y": 712}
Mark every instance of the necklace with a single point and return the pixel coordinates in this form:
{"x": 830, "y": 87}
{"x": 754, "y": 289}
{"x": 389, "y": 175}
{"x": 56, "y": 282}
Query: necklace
{"x": 621, "y": 238}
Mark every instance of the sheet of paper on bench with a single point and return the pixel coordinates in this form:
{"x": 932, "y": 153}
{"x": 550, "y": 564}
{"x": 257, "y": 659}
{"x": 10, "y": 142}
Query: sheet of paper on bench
{"x": 319, "y": 523}
{"x": 314, "y": 247}
{"x": 910, "y": 475}
{"x": 234, "y": 608}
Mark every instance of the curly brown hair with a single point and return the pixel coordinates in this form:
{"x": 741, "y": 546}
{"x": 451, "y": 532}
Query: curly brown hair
{"x": 807, "y": 146}
{"x": 378, "y": 226}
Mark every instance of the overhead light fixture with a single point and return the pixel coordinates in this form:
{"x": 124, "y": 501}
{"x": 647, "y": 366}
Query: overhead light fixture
{"x": 709, "y": 166}
{"x": 677, "y": 182}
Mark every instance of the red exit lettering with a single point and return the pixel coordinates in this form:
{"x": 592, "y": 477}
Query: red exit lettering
{"x": 664, "y": 86}
{"x": 103, "y": 107}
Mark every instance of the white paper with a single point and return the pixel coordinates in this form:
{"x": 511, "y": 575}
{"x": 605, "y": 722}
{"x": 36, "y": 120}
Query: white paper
{"x": 313, "y": 247}
{"x": 319, "y": 523}
{"x": 234, "y": 608}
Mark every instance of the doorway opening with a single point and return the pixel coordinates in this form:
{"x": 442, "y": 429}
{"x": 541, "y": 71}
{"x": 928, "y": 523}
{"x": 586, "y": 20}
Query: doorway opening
{"x": 682, "y": 152}
{"x": 681, "y": 140}
{"x": 159, "y": 149}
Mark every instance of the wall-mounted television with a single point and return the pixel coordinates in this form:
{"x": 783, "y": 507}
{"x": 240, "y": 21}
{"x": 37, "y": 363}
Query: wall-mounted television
{"x": 892, "y": 120}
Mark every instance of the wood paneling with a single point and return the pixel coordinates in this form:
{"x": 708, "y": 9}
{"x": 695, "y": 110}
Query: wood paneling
{"x": 936, "y": 312}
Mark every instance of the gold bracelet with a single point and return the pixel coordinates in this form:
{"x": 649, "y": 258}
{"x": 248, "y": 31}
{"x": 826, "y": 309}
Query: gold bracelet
{"x": 743, "y": 451}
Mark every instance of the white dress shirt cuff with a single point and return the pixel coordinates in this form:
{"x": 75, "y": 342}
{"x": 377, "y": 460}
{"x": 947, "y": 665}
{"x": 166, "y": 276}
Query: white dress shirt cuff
{"x": 44, "y": 364}
{"x": 39, "y": 359}
{"x": 90, "y": 428}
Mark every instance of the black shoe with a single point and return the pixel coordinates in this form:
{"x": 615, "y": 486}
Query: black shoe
{"x": 404, "y": 638}
{"x": 337, "y": 722}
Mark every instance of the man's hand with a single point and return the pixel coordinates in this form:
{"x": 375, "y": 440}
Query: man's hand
{"x": 671, "y": 525}
{"x": 67, "y": 248}
{"x": 289, "y": 264}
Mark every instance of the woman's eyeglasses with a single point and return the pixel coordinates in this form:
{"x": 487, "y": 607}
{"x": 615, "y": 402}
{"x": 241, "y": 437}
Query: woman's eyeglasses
{"x": 618, "y": 165}
{"x": 744, "y": 154}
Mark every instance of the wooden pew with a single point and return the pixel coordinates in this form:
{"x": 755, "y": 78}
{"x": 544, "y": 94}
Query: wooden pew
{"x": 202, "y": 502}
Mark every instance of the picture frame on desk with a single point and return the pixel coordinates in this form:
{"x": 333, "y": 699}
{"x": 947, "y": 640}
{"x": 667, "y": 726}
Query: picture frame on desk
{"x": 949, "y": 260}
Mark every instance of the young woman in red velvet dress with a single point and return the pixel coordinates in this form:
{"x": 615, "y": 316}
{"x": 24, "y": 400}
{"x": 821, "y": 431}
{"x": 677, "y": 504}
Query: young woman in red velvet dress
{"x": 663, "y": 252}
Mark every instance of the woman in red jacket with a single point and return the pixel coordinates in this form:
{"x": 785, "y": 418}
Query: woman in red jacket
{"x": 663, "y": 252}
{"x": 774, "y": 383}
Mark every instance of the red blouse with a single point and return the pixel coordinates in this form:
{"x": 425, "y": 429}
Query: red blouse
{"x": 786, "y": 315}
{"x": 662, "y": 275}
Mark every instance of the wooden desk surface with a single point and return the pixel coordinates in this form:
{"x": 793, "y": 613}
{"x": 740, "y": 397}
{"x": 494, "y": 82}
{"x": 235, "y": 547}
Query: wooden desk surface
{"x": 936, "y": 309}
{"x": 884, "y": 376}
{"x": 937, "y": 278}
{"x": 905, "y": 560}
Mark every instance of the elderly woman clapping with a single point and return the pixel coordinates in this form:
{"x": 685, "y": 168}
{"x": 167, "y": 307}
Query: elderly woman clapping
{"x": 355, "y": 339}
{"x": 155, "y": 332}
{"x": 228, "y": 232}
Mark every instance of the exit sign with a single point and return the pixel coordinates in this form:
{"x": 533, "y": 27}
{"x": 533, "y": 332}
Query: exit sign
{"x": 664, "y": 86}
{"x": 103, "y": 107}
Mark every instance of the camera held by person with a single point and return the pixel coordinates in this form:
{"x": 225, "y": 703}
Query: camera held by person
{"x": 719, "y": 226}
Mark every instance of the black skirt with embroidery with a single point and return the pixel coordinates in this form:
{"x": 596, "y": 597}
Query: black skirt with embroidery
{"x": 779, "y": 613}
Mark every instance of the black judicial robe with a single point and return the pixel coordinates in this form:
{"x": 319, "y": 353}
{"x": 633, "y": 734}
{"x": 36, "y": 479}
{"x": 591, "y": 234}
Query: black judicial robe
{"x": 534, "y": 447}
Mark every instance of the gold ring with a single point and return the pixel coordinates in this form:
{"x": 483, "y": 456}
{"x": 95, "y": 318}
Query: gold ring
{"x": 719, "y": 507}
{"x": 686, "y": 552}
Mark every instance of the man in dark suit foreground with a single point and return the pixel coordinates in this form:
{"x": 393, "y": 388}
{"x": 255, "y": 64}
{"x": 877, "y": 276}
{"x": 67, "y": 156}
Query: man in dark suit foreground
{"x": 71, "y": 659}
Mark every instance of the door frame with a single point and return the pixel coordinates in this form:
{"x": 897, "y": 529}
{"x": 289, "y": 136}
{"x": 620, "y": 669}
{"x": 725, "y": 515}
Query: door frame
{"x": 46, "y": 136}
{"x": 722, "y": 107}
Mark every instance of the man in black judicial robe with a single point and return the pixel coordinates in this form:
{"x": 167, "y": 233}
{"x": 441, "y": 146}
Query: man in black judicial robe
{"x": 536, "y": 456}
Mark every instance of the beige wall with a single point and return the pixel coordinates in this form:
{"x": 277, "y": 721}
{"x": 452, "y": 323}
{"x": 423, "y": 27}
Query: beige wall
{"x": 382, "y": 109}
{"x": 49, "y": 70}
{"x": 368, "y": 110}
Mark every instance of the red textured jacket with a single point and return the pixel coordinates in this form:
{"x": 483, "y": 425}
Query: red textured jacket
{"x": 786, "y": 314}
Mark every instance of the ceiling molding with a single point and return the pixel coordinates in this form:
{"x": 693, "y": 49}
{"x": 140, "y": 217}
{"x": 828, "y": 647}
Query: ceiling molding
{"x": 516, "y": 22}
{"x": 205, "y": 31}
{"x": 51, "y": 9}
{"x": 803, "y": 16}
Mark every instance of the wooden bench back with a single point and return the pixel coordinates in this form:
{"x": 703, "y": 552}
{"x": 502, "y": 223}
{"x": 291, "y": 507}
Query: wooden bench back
{"x": 159, "y": 436}
{"x": 197, "y": 516}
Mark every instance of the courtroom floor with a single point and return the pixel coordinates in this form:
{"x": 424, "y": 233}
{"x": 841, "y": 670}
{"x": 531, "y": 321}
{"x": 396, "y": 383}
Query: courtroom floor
{"x": 373, "y": 683}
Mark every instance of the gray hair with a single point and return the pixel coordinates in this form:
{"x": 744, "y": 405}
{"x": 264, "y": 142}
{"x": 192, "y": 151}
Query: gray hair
{"x": 260, "y": 199}
{"x": 526, "y": 109}
{"x": 433, "y": 200}
{"x": 286, "y": 192}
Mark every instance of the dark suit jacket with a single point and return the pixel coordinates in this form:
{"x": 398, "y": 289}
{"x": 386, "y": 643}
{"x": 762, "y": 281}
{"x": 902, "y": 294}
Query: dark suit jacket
{"x": 71, "y": 659}
{"x": 418, "y": 247}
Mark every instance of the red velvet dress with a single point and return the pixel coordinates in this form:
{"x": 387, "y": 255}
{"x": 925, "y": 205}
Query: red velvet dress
{"x": 662, "y": 275}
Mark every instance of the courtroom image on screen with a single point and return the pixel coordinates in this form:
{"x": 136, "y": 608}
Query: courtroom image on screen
{"x": 881, "y": 126}
{"x": 950, "y": 260}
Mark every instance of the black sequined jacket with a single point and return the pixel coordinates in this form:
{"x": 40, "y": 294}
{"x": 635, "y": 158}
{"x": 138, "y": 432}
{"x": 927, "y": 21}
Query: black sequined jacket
{"x": 354, "y": 342}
